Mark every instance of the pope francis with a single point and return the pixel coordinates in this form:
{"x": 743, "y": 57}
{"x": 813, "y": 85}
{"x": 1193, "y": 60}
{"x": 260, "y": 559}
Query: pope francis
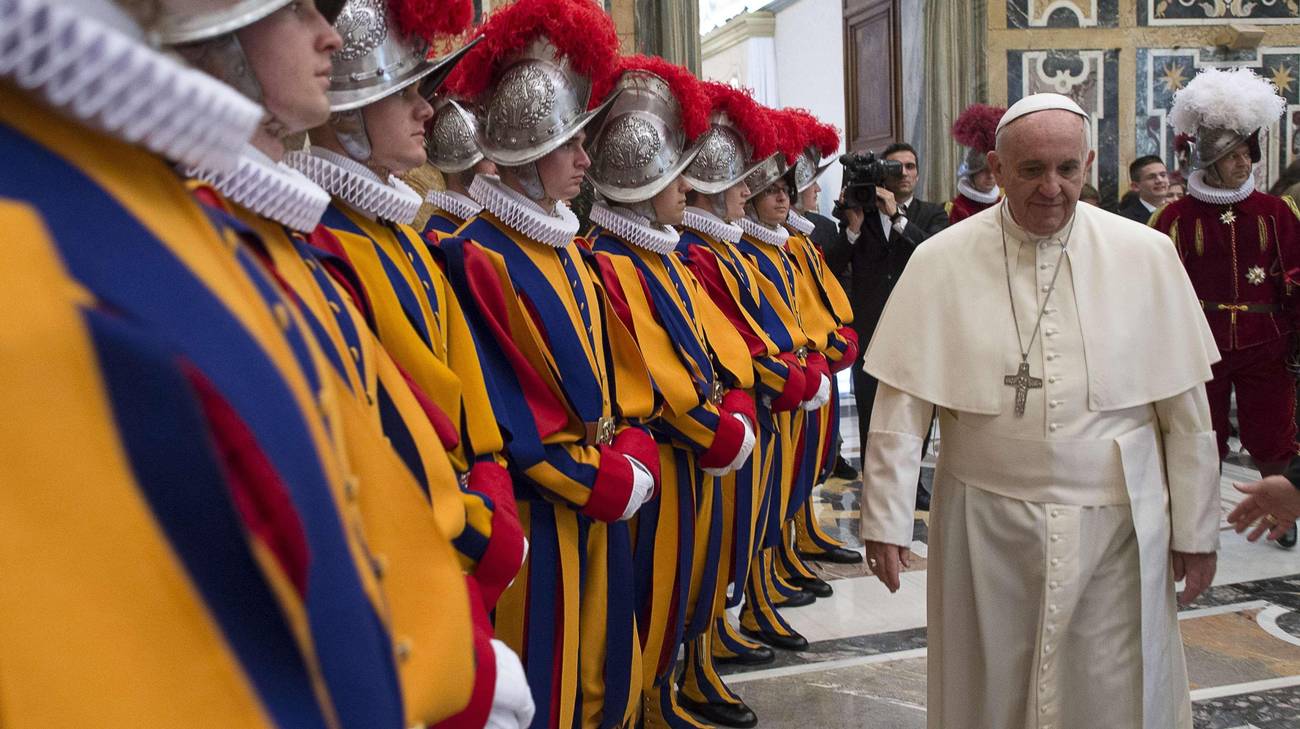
{"x": 1078, "y": 474}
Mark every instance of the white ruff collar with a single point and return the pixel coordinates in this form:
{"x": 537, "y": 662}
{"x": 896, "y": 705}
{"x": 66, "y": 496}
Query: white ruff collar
{"x": 274, "y": 191}
{"x": 799, "y": 223}
{"x": 113, "y": 82}
{"x": 635, "y": 229}
{"x": 361, "y": 189}
{"x": 453, "y": 203}
{"x": 965, "y": 188}
{"x": 1198, "y": 188}
{"x": 763, "y": 234}
{"x": 703, "y": 221}
{"x": 523, "y": 215}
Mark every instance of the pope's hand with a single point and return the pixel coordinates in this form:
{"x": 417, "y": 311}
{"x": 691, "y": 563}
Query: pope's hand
{"x": 886, "y": 561}
{"x": 1197, "y": 569}
{"x": 1271, "y": 505}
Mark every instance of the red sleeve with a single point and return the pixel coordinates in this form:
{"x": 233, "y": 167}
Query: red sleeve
{"x": 505, "y": 551}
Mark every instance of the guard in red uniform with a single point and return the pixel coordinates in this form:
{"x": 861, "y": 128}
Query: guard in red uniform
{"x": 976, "y": 189}
{"x": 1241, "y": 249}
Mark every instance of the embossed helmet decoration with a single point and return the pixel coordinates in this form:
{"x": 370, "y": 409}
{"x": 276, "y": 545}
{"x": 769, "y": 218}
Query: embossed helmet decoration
{"x": 789, "y": 141}
{"x": 1222, "y": 109}
{"x": 739, "y": 138}
{"x": 206, "y": 28}
{"x": 452, "y": 139}
{"x": 645, "y": 138}
{"x": 533, "y": 75}
{"x": 976, "y": 130}
{"x": 821, "y": 142}
{"x": 387, "y": 46}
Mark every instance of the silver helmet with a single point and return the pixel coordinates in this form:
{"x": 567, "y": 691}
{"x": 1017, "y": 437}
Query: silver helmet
{"x": 973, "y": 161}
{"x": 377, "y": 59}
{"x": 639, "y": 146}
{"x": 1213, "y": 145}
{"x": 807, "y": 168}
{"x": 765, "y": 173}
{"x": 723, "y": 159}
{"x": 538, "y": 103}
{"x": 204, "y": 31}
{"x": 452, "y": 140}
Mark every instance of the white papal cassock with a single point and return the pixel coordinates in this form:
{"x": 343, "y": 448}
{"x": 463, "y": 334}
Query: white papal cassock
{"x": 1051, "y": 598}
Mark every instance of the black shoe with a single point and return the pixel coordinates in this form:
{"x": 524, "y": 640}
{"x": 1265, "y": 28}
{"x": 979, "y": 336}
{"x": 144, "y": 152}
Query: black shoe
{"x": 735, "y": 715}
{"x": 794, "y": 642}
{"x": 818, "y": 587}
{"x": 799, "y": 599}
{"x": 839, "y": 555}
{"x": 1287, "y": 541}
{"x": 843, "y": 470}
{"x": 750, "y": 657}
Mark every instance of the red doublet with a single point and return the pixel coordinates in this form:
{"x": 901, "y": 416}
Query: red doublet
{"x": 1242, "y": 259}
{"x": 1241, "y": 255}
{"x": 962, "y": 207}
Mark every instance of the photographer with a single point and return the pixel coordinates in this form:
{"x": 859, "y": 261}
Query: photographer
{"x": 875, "y": 248}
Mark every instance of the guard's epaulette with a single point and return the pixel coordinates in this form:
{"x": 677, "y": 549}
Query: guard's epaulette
{"x": 1290, "y": 202}
{"x": 947, "y": 208}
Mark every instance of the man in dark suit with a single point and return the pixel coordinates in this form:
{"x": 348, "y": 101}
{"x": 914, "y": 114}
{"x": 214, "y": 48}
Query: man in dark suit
{"x": 1150, "y": 180}
{"x": 874, "y": 246}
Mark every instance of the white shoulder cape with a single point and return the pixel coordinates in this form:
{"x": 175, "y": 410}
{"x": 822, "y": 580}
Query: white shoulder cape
{"x": 946, "y": 329}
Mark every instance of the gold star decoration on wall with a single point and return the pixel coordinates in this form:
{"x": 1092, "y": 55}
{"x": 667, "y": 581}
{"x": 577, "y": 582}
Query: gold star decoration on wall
{"x": 1282, "y": 77}
{"x": 1173, "y": 77}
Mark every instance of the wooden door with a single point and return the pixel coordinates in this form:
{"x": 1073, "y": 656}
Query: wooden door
{"x": 873, "y": 82}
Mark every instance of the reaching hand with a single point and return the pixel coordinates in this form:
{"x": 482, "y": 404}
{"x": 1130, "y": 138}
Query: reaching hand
{"x": 886, "y": 561}
{"x": 1197, "y": 569}
{"x": 853, "y": 218}
{"x": 1271, "y": 505}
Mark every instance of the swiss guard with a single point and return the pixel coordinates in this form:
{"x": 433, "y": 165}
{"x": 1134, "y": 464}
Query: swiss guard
{"x": 229, "y": 578}
{"x": 975, "y": 130}
{"x": 570, "y": 386}
{"x": 699, "y": 364}
{"x": 453, "y": 151}
{"x": 1241, "y": 249}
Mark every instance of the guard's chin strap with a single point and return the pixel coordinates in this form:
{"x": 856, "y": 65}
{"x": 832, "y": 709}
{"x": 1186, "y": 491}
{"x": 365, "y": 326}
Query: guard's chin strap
{"x": 718, "y": 204}
{"x": 350, "y": 128}
{"x": 531, "y": 180}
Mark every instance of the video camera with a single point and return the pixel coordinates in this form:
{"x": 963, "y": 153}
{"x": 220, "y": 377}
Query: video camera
{"x": 863, "y": 171}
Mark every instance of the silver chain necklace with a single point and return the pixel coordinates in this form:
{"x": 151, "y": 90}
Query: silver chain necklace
{"x": 1021, "y": 379}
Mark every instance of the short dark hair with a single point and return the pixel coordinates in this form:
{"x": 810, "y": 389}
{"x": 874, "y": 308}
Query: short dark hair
{"x": 1136, "y": 168}
{"x": 900, "y": 147}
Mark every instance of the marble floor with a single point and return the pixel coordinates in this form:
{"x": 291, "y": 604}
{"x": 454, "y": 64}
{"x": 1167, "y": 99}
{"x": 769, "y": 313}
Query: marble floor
{"x": 865, "y": 667}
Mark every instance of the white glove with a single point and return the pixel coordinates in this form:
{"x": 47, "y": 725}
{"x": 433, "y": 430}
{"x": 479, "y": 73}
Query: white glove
{"x": 523, "y": 558}
{"x": 512, "y": 701}
{"x": 822, "y": 397}
{"x": 746, "y": 448}
{"x": 643, "y": 484}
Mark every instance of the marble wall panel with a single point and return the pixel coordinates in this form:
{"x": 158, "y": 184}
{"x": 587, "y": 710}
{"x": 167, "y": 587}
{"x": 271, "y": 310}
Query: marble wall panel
{"x": 1161, "y": 72}
{"x": 1026, "y": 14}
{"x": 1217, "y": 12}
{"x": 1091, "y": 78}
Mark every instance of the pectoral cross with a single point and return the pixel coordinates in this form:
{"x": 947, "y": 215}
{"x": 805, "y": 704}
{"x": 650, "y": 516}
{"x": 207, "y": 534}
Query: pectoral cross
{"x": 1023, "y": 384}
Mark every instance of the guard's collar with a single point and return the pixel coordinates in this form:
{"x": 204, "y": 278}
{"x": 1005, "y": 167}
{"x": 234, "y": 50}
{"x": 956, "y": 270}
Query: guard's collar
{"x": 93, "y": 66}
{"x": 517, "y": 212}
{"x": 272, "y": 190}
{"x": 358, "y": 187}
{"x": 453, "y": 203}
{"x": 965, "y": 188}
{"x": 778, "y": 236}
{"x": 799, "y": 223}
{"x": 635, "y": 229}
{"x": 705, "y": 222}
{"x": 1198, "y": 188}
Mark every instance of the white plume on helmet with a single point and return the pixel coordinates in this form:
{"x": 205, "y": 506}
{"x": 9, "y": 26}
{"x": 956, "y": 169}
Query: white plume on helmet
{"x": 1238, "y": 99}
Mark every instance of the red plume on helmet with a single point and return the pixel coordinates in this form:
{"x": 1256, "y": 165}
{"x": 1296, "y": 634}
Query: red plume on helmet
{"x": 430, "y": 18}
{"x": 580, "y": 30}
{"x": 746, "y": 114}
{"x": 791, "y": 134}
{"x": 825, "y": 138}
{"x": 689, "y": 92}
{"x": 976, "y": 127}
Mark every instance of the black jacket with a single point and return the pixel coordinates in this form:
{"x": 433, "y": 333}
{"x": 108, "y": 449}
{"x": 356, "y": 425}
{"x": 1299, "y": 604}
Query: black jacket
{"x": 1135, "y": 210}
{"x": 874, "y": 264}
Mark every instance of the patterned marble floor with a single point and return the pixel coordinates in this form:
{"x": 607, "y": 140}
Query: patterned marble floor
{"x": 865, "y": 665}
